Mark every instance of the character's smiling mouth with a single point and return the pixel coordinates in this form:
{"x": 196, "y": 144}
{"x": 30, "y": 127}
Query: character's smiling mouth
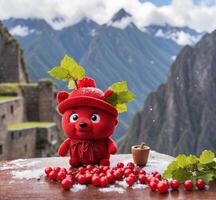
{"x": 82, "y": 131}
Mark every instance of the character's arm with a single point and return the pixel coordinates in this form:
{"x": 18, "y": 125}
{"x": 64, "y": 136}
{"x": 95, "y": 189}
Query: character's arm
{"x": 63, "y": 149}
{"x": 112, "y": 148}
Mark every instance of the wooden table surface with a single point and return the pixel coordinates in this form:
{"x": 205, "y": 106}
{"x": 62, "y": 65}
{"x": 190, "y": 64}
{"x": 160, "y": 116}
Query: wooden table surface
{"x": 33, "y": 189}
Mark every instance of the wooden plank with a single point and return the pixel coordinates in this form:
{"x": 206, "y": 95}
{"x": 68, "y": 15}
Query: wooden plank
{"x": 21, "y": 189}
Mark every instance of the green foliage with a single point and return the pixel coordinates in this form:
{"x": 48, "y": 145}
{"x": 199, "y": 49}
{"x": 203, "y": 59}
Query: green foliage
{"x": 120, "y": 96}
{"x": 68, "y": 70}
{"x": 29, "y": 125}
{"x": 191, "y": 167}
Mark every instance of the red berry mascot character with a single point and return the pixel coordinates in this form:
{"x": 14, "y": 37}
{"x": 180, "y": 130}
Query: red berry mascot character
{"x": 89, "y": 118}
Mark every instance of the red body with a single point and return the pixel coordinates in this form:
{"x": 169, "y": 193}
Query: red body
{"x": 88, "y": 129}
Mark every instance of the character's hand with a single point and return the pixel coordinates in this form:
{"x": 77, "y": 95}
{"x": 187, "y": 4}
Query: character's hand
{"x": 112, "y": 148}
{"x": 63, "y": 149}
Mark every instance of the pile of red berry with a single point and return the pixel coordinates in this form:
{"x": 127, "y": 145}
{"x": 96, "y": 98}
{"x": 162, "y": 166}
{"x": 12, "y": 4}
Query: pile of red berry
{"x": 104, "y": 175}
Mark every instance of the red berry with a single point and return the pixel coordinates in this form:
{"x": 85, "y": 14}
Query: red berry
{"x": 117, "y": 175}
{"x": 120, "y": 165}
{"x": 86, "y": 82}
{"x": 95, "y": 180}
{"x": 101, "y": 175}
{"x": 130, "y": 180}
{"x": 153, "y": 186}
{"x": 53, "y": 175}
{"x": 142, "y": 171}
{"x": 48, "y": 170}
{"x": 130, "y": 165}
{"x": 175, "y": 184}
{"x": 107, "y": 93}
{"x": 148, "y": 179}
{"x": 81, "y": 170}
{"x": 64, "y": 170}
{"x": 158, "y": 176}
{"x": 66, "y": 183}
{"x": 154, "y": 179}
{"x": 88, "y": 178}
{"x": 133, "y": 176}
{"x": 95, "y": 171}
{"x": 127, "y": 172}
{"x": 162, "y": 187}
{"x": 57, "y": 169}
{"x": 136, "y": 171}
{"x": 154, "y": 173}
{"x": 142, "y": 178}
{"x": 100, "y": 167}
{"x": 104, "y": 181}
{"x": 89, "y": 167}
{"x": 61, "y": 175}
{"x": 110, "y": 178}
{"x": 200, "y": 183}
{"x": 105, "y": 168}
{"x": 69, "y": 177}
{"x": 188, "y": 185}
{"x": 70, "y": 172}
{"x": 81, "y": 179}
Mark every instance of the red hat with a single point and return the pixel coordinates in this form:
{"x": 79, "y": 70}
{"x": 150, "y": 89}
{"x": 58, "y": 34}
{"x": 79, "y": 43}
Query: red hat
{"x": 86, "y": 94}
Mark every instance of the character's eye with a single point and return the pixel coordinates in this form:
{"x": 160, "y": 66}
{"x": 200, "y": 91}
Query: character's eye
{"x": 74, "y": 117}
{"x": 95, "y": 118}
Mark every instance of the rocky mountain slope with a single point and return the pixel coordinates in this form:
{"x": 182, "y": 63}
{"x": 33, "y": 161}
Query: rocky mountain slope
{"x": 180, "y": 116}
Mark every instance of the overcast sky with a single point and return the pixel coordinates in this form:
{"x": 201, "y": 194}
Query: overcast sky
{"x": 200, "y": 15}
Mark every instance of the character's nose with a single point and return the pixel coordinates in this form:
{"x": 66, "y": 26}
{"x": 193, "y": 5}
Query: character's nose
{"x": 83, "y": 124}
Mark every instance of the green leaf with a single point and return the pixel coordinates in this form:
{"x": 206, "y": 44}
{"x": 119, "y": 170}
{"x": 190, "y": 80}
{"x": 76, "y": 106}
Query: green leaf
{"x": 181, "y": 174}
{"x": 181, "y": 160}
{"x": 125, "y": 97}
{"x": 207, "y": 156}
{"x": 76, "y": 71}
{"x": 191, "y": 160}
{"x": 112, "y": 99}
{"x": 71, "y": 84}
{"x": 121, "y": 108}
{"x": 170, "y": 168}
{"x": 60, "y": 73}
{"x": 119, "y": 87}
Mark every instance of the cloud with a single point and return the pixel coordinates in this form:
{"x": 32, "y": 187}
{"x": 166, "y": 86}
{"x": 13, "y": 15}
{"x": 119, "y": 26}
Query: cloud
{"x": 180, "y": 37}
{"x": 21, "y": 31}
{"x": 122, "y": 24}
{"x": 200, "y": 16}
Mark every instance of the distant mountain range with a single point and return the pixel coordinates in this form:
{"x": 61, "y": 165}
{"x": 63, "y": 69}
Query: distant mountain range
{"x": 110, "y": 52}
{"x": 180, "y": 116}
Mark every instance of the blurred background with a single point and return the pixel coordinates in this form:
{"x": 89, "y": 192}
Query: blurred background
{"x": 165, "y": 50}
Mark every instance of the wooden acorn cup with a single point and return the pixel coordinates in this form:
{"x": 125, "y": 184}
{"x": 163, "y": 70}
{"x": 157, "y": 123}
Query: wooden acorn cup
{"x": 140, "y": 154}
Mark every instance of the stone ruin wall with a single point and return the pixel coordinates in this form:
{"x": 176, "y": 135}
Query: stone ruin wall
{"x": 12, "y": 111}
{"x": 12, "y": 67}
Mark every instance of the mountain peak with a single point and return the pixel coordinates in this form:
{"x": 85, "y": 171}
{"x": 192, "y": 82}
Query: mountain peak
{"x": 122, "y": 13}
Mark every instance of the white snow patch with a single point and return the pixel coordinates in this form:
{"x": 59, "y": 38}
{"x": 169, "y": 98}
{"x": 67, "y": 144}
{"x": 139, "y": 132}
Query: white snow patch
{"x": 28, "y": 174}
{"x": 139, "y": 186}
{"x": 78, "y": 187}
{"x": 112, "y": 188}
{"x": 180, "y": 37}
{"x": 156, "y": 165}
{"x": 121, "y": 24}
{"x": 173, "y": 58}
{"x": 93, "y": 32}
{"x": 122, "y": 183}
{"x": 19, "y": 163}
{"x": 21, "y": 31}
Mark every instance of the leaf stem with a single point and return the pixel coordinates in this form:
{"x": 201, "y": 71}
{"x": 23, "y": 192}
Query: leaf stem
{"x": 75, "y": 81}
